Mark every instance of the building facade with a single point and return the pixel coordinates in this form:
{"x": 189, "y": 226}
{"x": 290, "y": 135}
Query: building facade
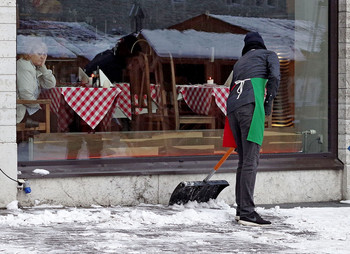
{"x": 320, "y": 172}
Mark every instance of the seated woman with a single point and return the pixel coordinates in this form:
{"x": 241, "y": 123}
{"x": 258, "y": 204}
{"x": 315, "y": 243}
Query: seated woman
{"x": 32, "y": 76}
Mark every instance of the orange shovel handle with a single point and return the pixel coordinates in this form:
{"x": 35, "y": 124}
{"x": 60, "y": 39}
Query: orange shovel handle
{"x": 223, "y": 159}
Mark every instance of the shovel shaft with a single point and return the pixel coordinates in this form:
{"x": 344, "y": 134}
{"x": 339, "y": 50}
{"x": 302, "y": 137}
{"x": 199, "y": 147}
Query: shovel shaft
{"x": 218, "y": 165}
{"x": 209, "y": 176}
{"x": 223, "y": 159}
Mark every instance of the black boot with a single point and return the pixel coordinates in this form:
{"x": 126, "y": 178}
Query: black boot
{"x": 31, "y": 123}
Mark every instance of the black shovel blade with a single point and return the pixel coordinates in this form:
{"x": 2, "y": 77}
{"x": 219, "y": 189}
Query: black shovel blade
{"x": 199, "y": 191}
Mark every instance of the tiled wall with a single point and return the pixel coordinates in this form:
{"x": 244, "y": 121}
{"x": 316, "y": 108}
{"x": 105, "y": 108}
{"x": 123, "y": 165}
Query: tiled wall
{"x": 344, "y": 93}
{"x": 8, "y": 147}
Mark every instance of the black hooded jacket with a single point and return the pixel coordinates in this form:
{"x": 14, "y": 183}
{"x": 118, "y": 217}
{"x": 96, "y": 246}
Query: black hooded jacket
{"x": 257, "y": 62}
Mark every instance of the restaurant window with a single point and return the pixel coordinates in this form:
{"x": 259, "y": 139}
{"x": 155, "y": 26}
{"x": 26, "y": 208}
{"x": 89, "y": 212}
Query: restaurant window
{"x": 127, "y": 74}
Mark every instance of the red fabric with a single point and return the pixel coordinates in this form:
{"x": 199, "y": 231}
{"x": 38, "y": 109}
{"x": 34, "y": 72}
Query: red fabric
{"x": 228, "y": 139}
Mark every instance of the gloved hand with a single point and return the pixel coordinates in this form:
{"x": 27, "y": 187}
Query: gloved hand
{"x": 268, "y": 108}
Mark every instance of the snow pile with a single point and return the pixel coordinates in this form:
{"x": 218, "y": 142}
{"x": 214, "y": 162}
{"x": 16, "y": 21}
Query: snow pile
{"x": 41, "y": 171}
{"x": 205, "y": 227}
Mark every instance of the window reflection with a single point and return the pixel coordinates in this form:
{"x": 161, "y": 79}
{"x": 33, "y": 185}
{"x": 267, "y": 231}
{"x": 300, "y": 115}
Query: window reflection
{"x": 148, "y": 65}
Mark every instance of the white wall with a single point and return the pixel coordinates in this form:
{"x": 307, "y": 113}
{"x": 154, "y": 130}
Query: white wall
{"x": 8, "y": 147}
{"x": 271, "y": 188}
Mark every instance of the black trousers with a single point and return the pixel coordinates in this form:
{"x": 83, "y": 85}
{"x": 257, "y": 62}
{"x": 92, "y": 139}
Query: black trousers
{"x": 249, "y": 154}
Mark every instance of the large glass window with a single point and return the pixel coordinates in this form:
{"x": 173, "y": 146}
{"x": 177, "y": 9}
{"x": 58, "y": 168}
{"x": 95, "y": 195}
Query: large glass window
{"x": 150, "y": 78}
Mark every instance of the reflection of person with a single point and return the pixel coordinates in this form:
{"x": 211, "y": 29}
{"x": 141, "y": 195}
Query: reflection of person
{"x": 246, "y": 109}
{"x": 32, "y": 76}
{"x": 93, "y": 142}
{"x": 114, "y": 61}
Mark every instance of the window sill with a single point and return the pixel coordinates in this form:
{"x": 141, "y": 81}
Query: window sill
{"x": 173, "y": 166}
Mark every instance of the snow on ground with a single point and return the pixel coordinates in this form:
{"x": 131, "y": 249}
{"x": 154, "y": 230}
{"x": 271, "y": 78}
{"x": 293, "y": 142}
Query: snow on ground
{"x": 41, "y": 171}
{"x": 191, "y": 228}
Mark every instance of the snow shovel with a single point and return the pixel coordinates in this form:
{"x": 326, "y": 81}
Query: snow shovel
{"x": 200, "y": 191}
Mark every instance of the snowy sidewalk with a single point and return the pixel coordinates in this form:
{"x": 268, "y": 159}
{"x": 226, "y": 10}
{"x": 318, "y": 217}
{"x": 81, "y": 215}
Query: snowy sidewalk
{"x": 194, "y": 228}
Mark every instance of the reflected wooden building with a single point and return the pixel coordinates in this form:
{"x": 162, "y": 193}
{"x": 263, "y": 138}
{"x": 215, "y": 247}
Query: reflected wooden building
{"x": 172, "y": 57}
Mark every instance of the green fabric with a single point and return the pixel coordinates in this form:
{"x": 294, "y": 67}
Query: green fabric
{"x": 256, "y": 131}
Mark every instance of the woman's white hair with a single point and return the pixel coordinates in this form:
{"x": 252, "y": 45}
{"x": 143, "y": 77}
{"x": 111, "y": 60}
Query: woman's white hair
{"x": 35, "y": 46}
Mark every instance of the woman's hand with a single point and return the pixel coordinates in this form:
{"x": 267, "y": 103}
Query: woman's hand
{"x": 44, "y": 60}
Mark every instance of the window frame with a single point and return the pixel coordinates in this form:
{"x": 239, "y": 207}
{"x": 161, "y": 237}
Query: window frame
{"x": 201, "y": 164}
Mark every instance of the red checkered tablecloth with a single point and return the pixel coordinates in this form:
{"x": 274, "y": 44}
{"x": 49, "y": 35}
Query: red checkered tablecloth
{"x": 124, "y": 98}
{"x": 91, "y": 104}
{"x": 199, "y": 97}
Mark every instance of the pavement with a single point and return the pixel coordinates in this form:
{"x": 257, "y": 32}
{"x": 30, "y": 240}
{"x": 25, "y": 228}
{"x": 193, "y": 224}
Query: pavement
{"x": 102, "y": 236}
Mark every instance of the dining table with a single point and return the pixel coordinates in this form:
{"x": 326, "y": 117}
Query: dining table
{"x": 93, "y": 105}
{"x": 97, "y": 106}
{"x": 123, "y": 107}
{"x": 199, "y": 97}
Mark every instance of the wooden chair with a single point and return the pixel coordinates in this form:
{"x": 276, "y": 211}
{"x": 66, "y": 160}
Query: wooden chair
{"x": 139, "y": 72}
{"x": 186, "y": 119}
{"x": 43, "y": 126}
{"x": 156, "y": 68}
